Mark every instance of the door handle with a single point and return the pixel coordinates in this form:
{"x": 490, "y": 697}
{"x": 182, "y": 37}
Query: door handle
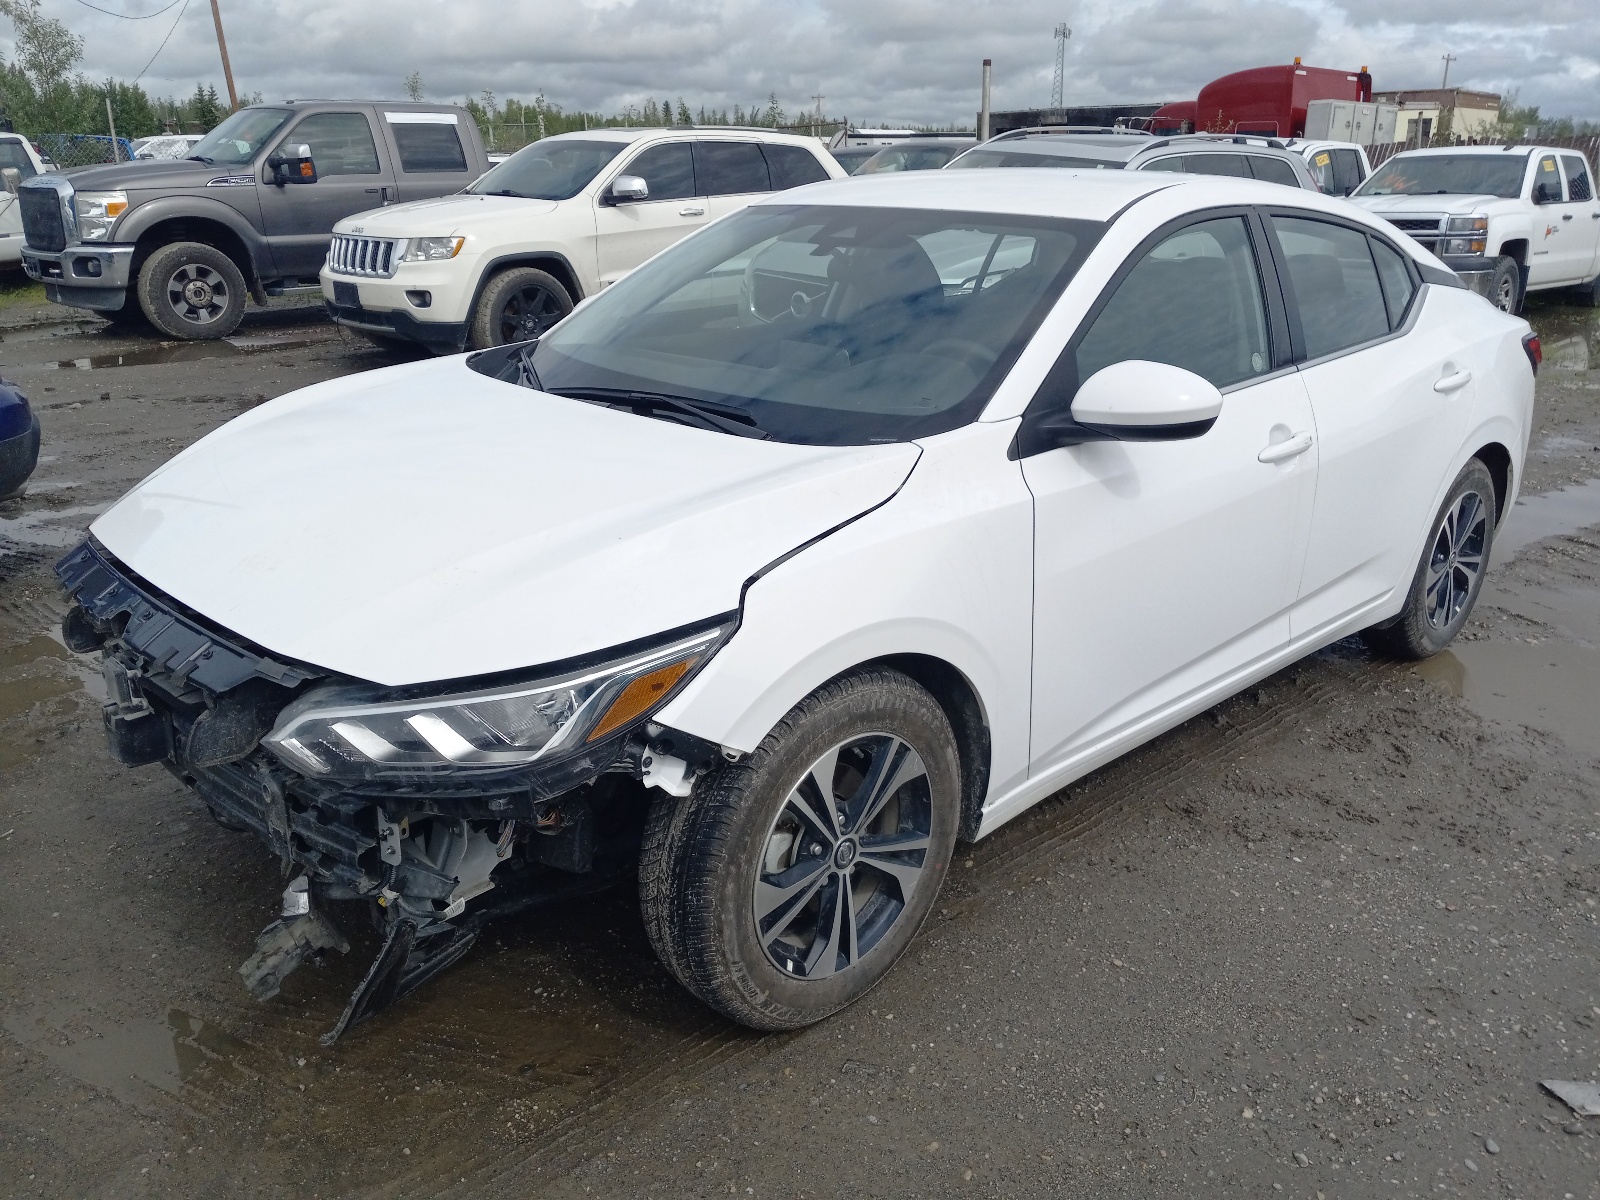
{"x": 1451, "y": 383}
{"x": 1286, "y": 449}
{"x": 1566, "y": 216}
{"x": 692, "y": 210}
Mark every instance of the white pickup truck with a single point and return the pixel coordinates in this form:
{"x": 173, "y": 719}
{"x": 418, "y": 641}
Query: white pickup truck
{"x": 18, "y": 154}
{"x": 1508, "y": 219}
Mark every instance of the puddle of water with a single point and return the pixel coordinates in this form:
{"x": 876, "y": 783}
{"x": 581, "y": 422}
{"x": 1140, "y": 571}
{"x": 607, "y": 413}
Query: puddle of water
{"x": 124, "y": 1057}
{"x": 177, "y": 352}
{"x": 1567, "y": 354}
{"x": 1551, "y": 514}
{"x": 43, "y": 528}
{"x": 1550, "y": 685}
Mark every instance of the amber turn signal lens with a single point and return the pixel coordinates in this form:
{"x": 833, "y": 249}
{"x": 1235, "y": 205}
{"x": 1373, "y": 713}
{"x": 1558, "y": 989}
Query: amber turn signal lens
{"x": 306, "y": 170}
{"x": 640, "y": 696}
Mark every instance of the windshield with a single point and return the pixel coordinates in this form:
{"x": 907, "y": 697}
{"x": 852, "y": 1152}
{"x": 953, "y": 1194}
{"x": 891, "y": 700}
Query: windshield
{"x": 239, "y": 139}
{"x": 1024, "y": 158}
{"x": 908, "y": 158}
{"x": 550, "y": 170}
{"x": 1448, "y": 175}
{"x": 823, "y": 325}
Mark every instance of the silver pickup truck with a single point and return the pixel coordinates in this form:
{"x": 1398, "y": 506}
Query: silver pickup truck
{"x": 249, "y": 213}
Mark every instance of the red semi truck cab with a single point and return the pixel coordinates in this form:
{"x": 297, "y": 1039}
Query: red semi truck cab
{"x": 1262, "y": 100}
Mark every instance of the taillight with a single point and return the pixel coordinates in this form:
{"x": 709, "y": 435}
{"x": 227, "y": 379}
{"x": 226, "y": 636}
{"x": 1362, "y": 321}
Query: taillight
{"x": 1530, "y": 343}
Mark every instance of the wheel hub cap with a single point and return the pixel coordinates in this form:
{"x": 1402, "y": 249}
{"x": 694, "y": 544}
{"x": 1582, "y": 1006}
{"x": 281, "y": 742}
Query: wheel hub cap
{"x": 845, "y": 853}
{"x": 197, "y": 292}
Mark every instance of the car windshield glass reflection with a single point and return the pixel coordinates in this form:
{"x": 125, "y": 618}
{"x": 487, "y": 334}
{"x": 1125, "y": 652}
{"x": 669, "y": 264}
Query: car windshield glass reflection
{"x": 1023, "y": 158}
{"x": 822, "y": 325}
{"x": 1448, "y": 175}
{"x": 239, "y": 139}
{"x": 550, "y": 170}
{"x": 911, "y": 158}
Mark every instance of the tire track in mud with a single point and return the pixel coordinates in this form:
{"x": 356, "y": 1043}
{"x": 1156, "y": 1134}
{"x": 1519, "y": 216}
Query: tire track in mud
{"x": 1109, "y": 798}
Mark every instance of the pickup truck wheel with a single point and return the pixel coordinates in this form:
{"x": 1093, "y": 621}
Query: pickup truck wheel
{"x": 1589, "y": 294}
{"x": 192, "y": 291}
{"x": 517, "y": 305}
{"x": 785, "y": 886}
{"x": 1506, "y": 285}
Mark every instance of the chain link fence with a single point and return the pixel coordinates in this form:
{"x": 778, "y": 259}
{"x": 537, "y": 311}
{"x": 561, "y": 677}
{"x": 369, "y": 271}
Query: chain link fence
{"x": 1589, "y": 146}
{"x": 68, "y": 150}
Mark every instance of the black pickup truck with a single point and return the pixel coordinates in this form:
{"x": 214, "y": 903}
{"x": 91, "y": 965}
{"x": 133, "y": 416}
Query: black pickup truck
{"x": 248, "y": 214}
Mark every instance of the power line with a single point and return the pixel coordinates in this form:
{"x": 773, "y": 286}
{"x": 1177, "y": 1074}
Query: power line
{"x": 164, "y": 41}
{"x": 125, "y": 16}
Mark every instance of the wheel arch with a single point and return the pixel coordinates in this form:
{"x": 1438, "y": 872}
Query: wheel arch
{"x": 962, "y": 705}
{"x": 156, "y": 225}
{"x": 550, "y": 261}
{"x": 1498, "y": 459}
{"x": 1515, "y": 249}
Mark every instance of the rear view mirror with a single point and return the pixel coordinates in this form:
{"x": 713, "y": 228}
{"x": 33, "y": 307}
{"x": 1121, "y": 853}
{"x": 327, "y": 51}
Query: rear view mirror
{"x": 629, "y": 189}
{"x": 293, "y": 164}
{"x": 1139, "y": 401}
{"x": 1546, "y": 192}
{"x": 11, "y": 178}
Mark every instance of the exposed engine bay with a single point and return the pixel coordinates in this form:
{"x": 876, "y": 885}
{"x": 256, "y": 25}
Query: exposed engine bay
{"x": 433, "y": 857}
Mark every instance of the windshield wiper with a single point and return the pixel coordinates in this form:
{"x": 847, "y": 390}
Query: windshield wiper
{"x": 526, "y": 375}
{"x": 721, "y": 417}
{"x": 201, "y": 158}
{"x": 505, "y": 192}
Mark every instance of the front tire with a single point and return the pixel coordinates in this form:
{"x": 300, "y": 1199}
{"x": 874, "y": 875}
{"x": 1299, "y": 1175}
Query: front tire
{"x": 1505, "y": 285}
{"x": 1450, "y": 575}
{"x": 192, "y": 291}
{"x": 518, "y": 305}
{"x": 786, "y": 885}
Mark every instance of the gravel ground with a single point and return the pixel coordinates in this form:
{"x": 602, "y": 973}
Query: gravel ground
{"x": 1322, "y": 941}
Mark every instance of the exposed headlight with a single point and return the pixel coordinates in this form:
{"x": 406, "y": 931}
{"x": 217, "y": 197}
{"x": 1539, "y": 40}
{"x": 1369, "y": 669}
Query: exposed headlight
{"x": 98, "y": 212}
{"x": 432, "y": 249}
{"x": 1468, "y": 225}
{"x": 1463, "y": 246}
{"x": 342, "y": 732}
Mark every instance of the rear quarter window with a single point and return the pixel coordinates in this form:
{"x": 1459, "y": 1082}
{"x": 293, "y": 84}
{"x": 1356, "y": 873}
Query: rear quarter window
{"x": 792, "y": 166}
{"x": 1273, "y": 170}
{"x": 427, "y": 142}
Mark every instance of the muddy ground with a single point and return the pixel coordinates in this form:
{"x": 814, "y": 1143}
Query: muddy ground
{"x": 1322, "y": 941}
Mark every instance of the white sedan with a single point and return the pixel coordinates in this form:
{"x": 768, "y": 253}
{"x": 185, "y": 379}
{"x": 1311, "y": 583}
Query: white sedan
{"x": 847, "y": 528}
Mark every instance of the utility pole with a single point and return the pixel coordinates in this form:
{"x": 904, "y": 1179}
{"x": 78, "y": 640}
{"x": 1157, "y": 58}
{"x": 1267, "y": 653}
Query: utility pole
{"x": 983, "y": 110}
{"x": 222, "y": 45}
{"x": 111, "y": 124}
{"x": 1447, "y": 59}
{"x": 816, "y": 119}
{"x": 1062, "y": 34}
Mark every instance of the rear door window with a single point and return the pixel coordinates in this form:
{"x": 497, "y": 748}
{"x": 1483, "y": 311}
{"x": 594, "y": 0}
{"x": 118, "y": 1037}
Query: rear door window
{"x": 1579, "y": 186}
{"x": 731, "y": 168}
{"x": 667, "y": 170}
{"x": 1233, "y": 165}
{"x": 1273, "y": 170}
{"x": 341, "y": 143}
{"x": 791, "y": 166}
{"x": 1335, "y": 284}
{"x": 427, "y": 142}
{"x": 1395, "y": 275}
{"x": 1193, "y": 302}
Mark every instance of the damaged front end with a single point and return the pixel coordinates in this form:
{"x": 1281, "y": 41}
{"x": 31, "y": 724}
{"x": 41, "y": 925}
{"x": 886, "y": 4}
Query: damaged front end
{"x": 439, "y": 808}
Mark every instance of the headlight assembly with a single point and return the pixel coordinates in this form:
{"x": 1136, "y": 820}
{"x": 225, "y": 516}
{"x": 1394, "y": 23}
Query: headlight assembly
{"x": 340, "y": 732}
{"x": 98, "y": 212}
{"x": 1477, "y": 229}
{"x": 432, "y": 249}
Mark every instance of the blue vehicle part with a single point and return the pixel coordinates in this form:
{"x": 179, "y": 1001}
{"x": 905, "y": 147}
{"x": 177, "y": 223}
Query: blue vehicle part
{"x": 19, "y": 440}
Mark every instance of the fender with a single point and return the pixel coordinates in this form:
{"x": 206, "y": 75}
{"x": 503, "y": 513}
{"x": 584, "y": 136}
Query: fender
{"x": 944, "y": 569}
{"x": 500, "y": 260}
{"x": 197, "y": 208}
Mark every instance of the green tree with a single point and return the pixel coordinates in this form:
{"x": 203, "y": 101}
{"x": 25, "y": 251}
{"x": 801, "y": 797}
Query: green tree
{"x": 413, "y": 85}
{"x": 685, "y": 117}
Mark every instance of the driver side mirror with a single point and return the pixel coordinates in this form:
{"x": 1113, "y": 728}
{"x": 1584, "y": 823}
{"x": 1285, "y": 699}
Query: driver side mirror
{"x": 1546, "y": 192}
{"x": 628, "y": 189}
{"x": 1130, "y": 401}
{"x": 293, "y": 164}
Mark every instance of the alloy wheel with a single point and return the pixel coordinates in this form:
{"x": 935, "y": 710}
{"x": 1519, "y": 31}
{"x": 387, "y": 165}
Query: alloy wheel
{"x": 1505, "y": 297}
{"x": 843, "y": 857}
{"x": 527, "y": 313}
{"x": 197, "y": 294}
{"x": 1456, "y": 561}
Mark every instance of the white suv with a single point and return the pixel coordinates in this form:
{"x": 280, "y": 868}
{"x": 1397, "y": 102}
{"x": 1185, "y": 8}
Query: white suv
{"x": 557, "y": 221}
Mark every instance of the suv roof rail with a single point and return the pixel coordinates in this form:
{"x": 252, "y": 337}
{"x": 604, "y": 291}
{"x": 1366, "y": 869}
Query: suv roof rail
{"x": 1238, "y": 139}
{"x": 1033, "y": 130}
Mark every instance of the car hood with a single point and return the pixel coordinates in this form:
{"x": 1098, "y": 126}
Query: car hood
{"x": 426, "y": 522}
{"x": 446, "y": 215}
{"x": 1455, "y": 206}
{"x": 149, "y": 174}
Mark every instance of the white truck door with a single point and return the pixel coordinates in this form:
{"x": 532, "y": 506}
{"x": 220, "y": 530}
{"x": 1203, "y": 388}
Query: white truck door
{"x": 1580, "y": 216}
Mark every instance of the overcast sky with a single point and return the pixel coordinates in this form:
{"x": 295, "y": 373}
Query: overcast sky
{"x": 874, "y": 60}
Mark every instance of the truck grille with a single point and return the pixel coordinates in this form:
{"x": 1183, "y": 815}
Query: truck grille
{"x": 1417, "y": 224}
{"x": 42, "y": 226}
{"x": 373, "y": 257}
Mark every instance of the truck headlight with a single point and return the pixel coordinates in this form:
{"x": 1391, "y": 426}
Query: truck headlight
{"x": 432, "y": 249}
{"x": 348, "y": 732}
{"x": 1477, "y": 227}
{"x": 97, "y": 213}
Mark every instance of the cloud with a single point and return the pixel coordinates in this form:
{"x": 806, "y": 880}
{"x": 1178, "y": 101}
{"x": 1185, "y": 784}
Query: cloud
{"x": 874, "y": 60}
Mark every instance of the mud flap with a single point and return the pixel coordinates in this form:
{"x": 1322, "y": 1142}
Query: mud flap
{"x": 403, "y": 965}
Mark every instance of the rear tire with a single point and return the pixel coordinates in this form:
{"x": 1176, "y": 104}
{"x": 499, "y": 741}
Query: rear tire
{"x": 1589, "y": 294}
{"x": 192, "y": 291}
{"x": 779, "y": 900}
{"x": 1505, "y": 286}
{"x": 517, "y": 305}
{"x": 1450, "y": 575}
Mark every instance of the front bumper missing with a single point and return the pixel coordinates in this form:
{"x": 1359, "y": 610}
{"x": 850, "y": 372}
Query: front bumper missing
{"x": 1474, "y": 270}
{"x": 437, "y": 860}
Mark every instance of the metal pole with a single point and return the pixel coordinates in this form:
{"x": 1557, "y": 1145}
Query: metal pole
{"x": 1447, "y": 59}
{"x": 222, "y": 45}
{"x": 111, "y": 124}
{"x": 983, "y": 111}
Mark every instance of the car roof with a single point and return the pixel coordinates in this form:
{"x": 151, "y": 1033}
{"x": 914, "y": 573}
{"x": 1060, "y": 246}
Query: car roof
{"x": 1509, "y": 150}
{"x": 609, "y": 133}
{"x": 1022, "y": 191}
